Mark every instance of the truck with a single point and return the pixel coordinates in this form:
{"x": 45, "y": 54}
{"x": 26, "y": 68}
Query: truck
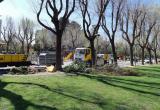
{"x": 13, "y": 60}
{"x": 83, "y": 54}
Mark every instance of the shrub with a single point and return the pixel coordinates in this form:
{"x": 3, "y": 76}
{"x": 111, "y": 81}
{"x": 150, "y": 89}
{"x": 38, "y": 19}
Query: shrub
{"x": 75, "y": 67}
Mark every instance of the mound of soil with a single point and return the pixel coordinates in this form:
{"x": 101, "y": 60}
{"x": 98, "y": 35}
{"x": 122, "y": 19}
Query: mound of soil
{"x": 115, "y": 70}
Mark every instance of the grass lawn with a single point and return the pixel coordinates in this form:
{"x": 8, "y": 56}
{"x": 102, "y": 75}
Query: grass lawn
{"x": 89, "y": 92}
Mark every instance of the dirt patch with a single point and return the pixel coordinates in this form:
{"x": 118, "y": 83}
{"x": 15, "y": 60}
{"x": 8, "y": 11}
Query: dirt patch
{"x": 39, "y": 74}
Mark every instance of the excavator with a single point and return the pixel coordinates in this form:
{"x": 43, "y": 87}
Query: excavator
{"x": 69, "y": 56}
{"x": 84, "y": 54}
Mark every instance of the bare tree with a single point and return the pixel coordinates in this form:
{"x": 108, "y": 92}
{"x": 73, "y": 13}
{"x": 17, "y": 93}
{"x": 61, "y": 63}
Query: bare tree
{"x": 14, "y": 44}
{"x": 25, "y": 34}
{"x": 116, "y": 10}
{"x": 147, "y": 27}
{"x": 131, "y": 24}
{"x": 29, "y": 35}
{"x": 59, "y": 13}
{"x": 8, "y": 32}
{"x": 73, "y": 35}
{"x": 156, "y": 33}
{"x": 45, "y": 39}
{"x": 88, "y": 22}
{"x": 21, "y": 39}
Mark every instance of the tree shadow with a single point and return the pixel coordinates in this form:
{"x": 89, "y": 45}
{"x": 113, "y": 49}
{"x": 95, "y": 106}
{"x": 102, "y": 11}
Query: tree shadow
{"x": 135, "y": 83}
{"x": 148, "y": 73}
{"x": 24, "y": 104}
{"x": 153, "y": 84}
{"x": 18, "y": 101}
{"x": 110, "y": 82}
{"x": 149, "y": 69}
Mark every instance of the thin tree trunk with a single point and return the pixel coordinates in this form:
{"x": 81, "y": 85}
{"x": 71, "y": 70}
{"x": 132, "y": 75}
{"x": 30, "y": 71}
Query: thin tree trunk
{"x": 114, "y": 52}
{"x": 93, "y": 52}
{"x": 7, "y": 47}
{"x": 28, "y": 47}
{"x": 131, "y": 55}
{"x": 142, "y": 55}
{"x": 73, "y": 45}
{"x": 58, "y": 52}
{"x": 155, "y": 56}
{"x": 150, "y": 56}
{"x": 22, "y": 48}
{"x": 15, "y": 48}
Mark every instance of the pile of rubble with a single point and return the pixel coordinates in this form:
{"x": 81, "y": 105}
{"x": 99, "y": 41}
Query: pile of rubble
{"x": 115, "y": 70}
{"x": 31, "y": 70}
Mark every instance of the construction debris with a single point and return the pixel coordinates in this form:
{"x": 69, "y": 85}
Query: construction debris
{"x": 50, "y": 68}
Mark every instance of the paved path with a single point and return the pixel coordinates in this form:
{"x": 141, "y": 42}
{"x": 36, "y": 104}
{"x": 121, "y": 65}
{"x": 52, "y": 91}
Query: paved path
{"x": 40, "y": 74}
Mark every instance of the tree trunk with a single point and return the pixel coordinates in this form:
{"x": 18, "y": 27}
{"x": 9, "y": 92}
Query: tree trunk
{"x": 22, "y": 48}
{"x": 15, "y": 48}
{"x": 150, "y": 55}
{"x": 7, "y": 47}
{"x": 73, "y": 44}
{"x": 114, "y": 52}
{"x": 131, "y": 55}
{"x": 93, "y": 52}
{"x": 155, "y": 56}
{"x": 28, "y": 47}
{"x": 58, "y": 52}
{"x": 142, "y": 55}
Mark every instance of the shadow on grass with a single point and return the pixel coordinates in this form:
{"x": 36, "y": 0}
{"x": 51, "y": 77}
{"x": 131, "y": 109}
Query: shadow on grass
{"x": 121, "y": 84}
{"x": 21, "y": 104}
{"x": 18, "y": 101}
{"x": 133, "y": 83}
{"x": 148, "y": 72}
{"x": 153, "y": 84}
{"x": 150, "y": 67}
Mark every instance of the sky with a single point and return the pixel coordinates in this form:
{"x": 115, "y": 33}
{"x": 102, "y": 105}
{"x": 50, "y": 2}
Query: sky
{"x": 16, "y": 9}
{"x": 23, "y": 8}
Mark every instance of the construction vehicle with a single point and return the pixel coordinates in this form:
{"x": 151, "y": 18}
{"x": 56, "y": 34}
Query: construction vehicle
{"x": 83, "y": 54}
{"x": 69, "y": 56}
{"x": 13, "y": 60}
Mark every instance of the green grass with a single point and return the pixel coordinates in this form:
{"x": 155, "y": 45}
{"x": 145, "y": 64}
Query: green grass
{"x": 87, "y": 92}
{"x": 150, "y": 71}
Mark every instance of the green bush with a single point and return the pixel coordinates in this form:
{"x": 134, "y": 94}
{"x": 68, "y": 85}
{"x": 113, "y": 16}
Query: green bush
{"x": 75, "y": 67}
